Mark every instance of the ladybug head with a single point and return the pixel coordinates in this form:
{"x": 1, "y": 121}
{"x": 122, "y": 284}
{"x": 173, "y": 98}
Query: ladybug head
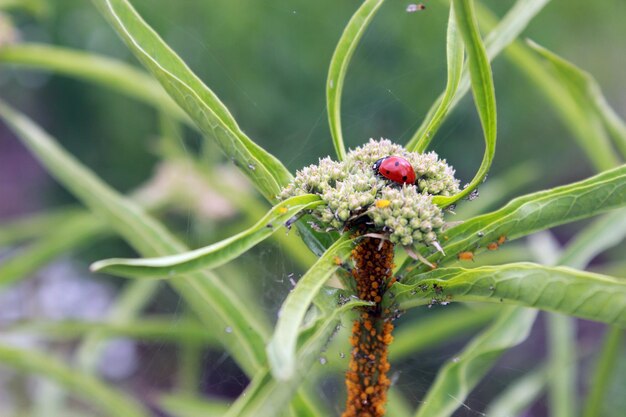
{"x": 376, "y": 165}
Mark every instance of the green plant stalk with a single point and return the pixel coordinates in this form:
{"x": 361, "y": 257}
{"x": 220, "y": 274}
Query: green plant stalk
{"x": 604, "y": 371}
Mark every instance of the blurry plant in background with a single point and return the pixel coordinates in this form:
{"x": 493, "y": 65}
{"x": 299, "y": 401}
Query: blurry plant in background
{"x": 69, "y": 340}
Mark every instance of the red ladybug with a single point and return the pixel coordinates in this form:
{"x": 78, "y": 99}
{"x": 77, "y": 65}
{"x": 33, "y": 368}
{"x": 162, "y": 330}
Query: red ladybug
{"x": 396, "y": 169}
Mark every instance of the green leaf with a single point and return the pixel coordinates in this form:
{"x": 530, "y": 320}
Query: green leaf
{"x": 239, "y": 328}
{"x": 458, "y": 377}
{"x": 107, "y": 72}
{"x": 152, "y": 329}
{"x": 605, "y": 368}
{"x": 15, "y": 231}
{"x": 482, "y": 89}
{"x": 509, "y": 28}
{"x": 605, "y": 232}
{"x": 179, "y": 405}
{"x": 68, "y": 233}
{"x": 88, "y": 388}
{"x": 213, "y": 255}
{"x": 281, "y": 350}
{"x": 535, "y": 212}
{"x": 587, "y": 131}
{"x": 561, "y": 335}
{"x": 435, "y": 117}
{"x": 500, "y": 189}
{"x": 217, "y": 305}
{"x": 339, "y": 66}
{"x": 520, "y": 395}
{"x": 560, "y": 289}
{"x": 437, "y": 328}
{"x": 441, "y": 395}
{"x": 583, "y": 100}
{"x": 201, "y": 104}
{"x": 268, "y": 396}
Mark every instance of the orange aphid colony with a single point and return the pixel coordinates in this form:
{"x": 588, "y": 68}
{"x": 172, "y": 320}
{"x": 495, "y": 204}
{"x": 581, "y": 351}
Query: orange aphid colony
{"x": 366, "y": 379}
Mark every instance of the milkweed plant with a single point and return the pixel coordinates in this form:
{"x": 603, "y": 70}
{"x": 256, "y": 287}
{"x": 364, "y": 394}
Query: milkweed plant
{"x": 380, "y": 221}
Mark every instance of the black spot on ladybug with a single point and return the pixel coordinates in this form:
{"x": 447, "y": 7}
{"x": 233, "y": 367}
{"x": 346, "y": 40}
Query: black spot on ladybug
{"x": 397, "y": 163}
{"x": 404, "y": 178}
{"x": 388, "y": 172}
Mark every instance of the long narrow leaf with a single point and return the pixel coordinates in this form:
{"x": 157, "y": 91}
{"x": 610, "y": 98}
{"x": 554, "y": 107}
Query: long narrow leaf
{"x": 16, "y": 231}
{"x": 101, "y": 70}
{"x": 505, "y": 32}
{"x": 212, "y": 299}
{"x": 213, "y": 255}
{"x": 520, "y": 395}
{"x": 535, "y": 212}
{"x": 605, "y": 368}
{"x": 561, "y": 289}
{"x": 583, "y": 128}
{"x": 435, "y": 117}
{"x": 339, "y": 66}
{"x": 267, "y": 396}
{"x": 88, "y": 388}
{"x": 437, "y": 329}
{"x": 460, "y": 375}
{"x": 67, "y": 234}
{"x": 281, "y": 351}
{"x": 561, "y": 334}
{"x": 203, "y": 106}
{"x": 463, "y": 384}
{"x": 584, "y": 97}
{"x": 482, "y": 89}
{"x": 152, "y": 329}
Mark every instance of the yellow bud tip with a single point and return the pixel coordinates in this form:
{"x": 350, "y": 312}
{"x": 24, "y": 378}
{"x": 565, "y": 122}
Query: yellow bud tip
{"x": 382, "y": 203}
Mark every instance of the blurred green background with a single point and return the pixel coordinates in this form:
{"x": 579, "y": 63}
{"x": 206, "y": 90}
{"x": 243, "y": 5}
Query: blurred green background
{"x": 267, "y": 60}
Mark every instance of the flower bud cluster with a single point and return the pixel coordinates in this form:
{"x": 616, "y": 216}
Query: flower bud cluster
{"x": 352, "y": 189}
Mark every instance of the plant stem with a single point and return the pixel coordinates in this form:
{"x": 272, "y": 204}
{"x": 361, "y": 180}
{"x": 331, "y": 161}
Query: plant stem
{"x": 366, "y": 378}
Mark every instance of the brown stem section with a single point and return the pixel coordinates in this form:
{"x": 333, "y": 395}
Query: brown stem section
{"x": 366, "y": 378}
